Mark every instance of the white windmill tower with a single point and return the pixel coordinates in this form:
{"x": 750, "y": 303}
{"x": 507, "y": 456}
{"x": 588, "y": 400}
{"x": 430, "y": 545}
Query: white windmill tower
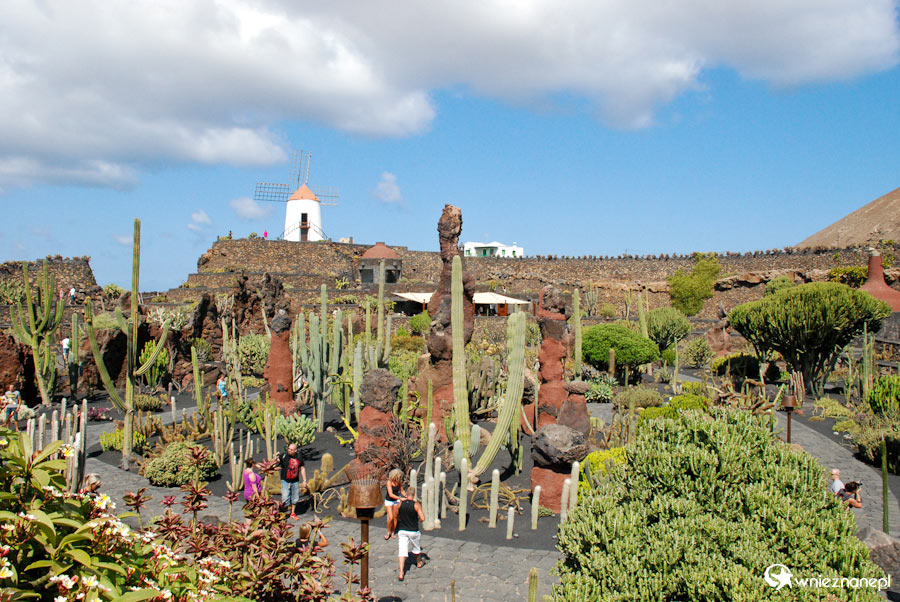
{"x": 303, "y": 210}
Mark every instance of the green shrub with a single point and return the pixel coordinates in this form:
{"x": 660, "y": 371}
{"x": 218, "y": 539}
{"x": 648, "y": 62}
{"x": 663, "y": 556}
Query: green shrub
{"x": 253, "y": 381}
{"x": 846, "y": 425}
{"x": 832, "y": 408}
{"x": 599, "y": 464}
{"x": 600, "y": 392}
{"x": 677, "y": 405}
{"x": 149, "y": 403}
{"x": 204, "y": 349}
{"x": 868, "y": 437}
{"x": 632, "y": 350}
{"x": 638, "y": 397}
{"x": 666, "y": 326}
{"x": 698, "y": 511}
{"x": 689, "y": 291}
{"x": 809, "y": 325}
{"x": 402, "y": 333}
{"x": 115, "y": 439}
{"x": 739, "y": 365}
{"x": 421, "y": 323}
{"x": 113, "y": 291}
{"x": 695, "y": 388}
{"x": 176, "y": 466}
{"x": 778, "y": 284}
{"x": 408, "y": 343}
{"x": 296, "y": 428}
{"x": 105, "y": 321}
{"x": 668, "y": 356}
{"x": 884, "y": 396}
{"x": 159, "y": 368}
{"x": 696, "y": 353}
{"x": 852, "y": 276}
{"x": 607, "y": 311}
{"x": 403, "y": 364}
{"x": 253, "y": 351}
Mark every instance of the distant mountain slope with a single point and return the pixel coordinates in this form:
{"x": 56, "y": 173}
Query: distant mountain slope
{"x": 879, "y": 220}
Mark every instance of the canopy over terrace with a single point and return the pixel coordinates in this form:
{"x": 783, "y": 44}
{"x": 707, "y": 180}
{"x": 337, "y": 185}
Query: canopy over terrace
{"x": 488, "y": 304}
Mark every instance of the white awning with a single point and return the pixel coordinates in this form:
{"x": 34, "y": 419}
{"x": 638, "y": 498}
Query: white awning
{"x": 480, "y": 298}
{"x": 422, "y": 298}
{"x": 497, "y": 299}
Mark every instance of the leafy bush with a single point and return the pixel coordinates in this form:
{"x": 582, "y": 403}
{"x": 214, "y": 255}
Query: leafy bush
{"x": 853, "y": 276}
{"x": 666, "y": 326}
{"x": 149, "y": 403}
{"x": 296, "y": 428}
{"x": 668, "y": 356}
{"x": 809, "y": 325}
{"x": 408, "y": 343}
{"x": 403, "y": 364}
{"x": 253, "y": 351}
{"x": 698, "y": 510}
{"x": 113, "y": 291}
{"x": 696, "y": 353}
{"x": 402, "y": 332}
{"x": 176, "y": 465}
{"x": 832, "y": 408}
{"x": 868, "y": 437}
{"x": 778, "y": 284}
{"x": 739, "y": 365}
{"x": 600, "y": 392}
{"x": 638, "y": 397}
{"x": 689, "y": 291}
{"x": 421, "y": 323}
{"x": 884, "y": 396}
{"x": 677, "y": 405}
{"x": 632, "y": 350}
{"x": 115, "y": 439}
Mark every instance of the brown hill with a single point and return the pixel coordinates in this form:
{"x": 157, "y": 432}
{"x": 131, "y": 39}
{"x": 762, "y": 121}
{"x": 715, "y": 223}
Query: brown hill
{"x": 879, "y": 220}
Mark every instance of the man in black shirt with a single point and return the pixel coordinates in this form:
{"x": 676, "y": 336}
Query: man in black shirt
{"x": 409, "y": 514}
{"x": 292, "y": 469}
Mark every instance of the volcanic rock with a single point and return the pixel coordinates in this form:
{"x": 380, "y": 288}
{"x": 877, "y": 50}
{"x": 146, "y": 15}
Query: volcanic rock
{"x": 279, "y": 367}
{"x": 557, "y": 446}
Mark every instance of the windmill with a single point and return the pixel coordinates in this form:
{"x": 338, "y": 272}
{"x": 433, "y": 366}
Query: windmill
{"x": 303, "y": 213}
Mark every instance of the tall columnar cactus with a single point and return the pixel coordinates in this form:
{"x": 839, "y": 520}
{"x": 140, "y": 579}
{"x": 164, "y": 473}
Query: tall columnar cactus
{"x": 132, "y": 370}
{"x": 34, "y": 325}
{"x": 457, "y": 326}
{"x": 535, "y": 506}
{"x": 576, "y": 323}
{"x": 232, "y": 361}
{"x": 885, "y": 489}
{"x": 511, "y": 404}
{"x": 357, "y": 379}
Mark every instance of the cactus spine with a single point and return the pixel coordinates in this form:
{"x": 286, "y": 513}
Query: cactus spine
{"x": 512, "y": 401}
{"x": 576, "y": 323}
{"x": 34, "y": 325}
{"x": 460, "y": 393}
{"x": 132, "y": 370}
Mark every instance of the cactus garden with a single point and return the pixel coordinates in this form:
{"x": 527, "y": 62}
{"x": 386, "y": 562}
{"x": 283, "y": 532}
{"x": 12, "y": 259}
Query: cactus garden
{"x": 655, "y": 465}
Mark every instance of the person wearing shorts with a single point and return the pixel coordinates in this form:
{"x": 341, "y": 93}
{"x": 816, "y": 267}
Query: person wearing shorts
{"x": 392, "y": 500}
{"x": 409, "y": 514}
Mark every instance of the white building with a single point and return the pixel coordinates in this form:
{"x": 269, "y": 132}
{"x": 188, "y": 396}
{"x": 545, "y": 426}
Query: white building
{"x": 303, "y": 216}
{"x": 492, "y": 249}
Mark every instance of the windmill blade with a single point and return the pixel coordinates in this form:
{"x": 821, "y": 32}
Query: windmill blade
{"x": 327, "y": 195}
{"x": 267, "y": 191}
{"x": 299, "y": 174}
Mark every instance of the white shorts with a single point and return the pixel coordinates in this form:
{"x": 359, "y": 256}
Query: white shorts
{"x": 388, "y": 502}
{"x": 409, "y": 539}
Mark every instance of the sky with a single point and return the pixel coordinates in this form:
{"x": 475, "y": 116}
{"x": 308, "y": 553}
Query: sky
{"x": 581, "y": 127}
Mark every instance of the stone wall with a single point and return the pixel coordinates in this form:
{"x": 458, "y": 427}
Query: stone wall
{"x": 69, "y": 272}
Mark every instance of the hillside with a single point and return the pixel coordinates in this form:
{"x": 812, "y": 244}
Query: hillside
{"x": 878, "y": 220}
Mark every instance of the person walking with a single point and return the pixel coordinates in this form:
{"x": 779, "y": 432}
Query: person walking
{"x": 12, "y": 401}
{"x": 393, "y": 491}
{"x": 252, "y": 481}
{"x": 409, "y": 514}
{"x": 292, "y": 470}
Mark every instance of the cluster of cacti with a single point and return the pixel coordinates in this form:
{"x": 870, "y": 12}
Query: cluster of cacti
{"x": 132, "y": 370}
{"x": 34, "y": 325}
{"x": 591, "y": 298}
{"x": 231, "y": 358}
{"x": 70, "y": 431}
{"x": 434, "y": 484}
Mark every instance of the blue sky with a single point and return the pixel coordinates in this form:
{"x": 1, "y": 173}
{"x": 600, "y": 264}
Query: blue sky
{"x": 599, "y": 131}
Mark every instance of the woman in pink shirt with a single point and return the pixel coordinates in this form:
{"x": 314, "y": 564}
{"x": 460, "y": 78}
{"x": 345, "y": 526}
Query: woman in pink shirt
{"x": 252, "y": 481}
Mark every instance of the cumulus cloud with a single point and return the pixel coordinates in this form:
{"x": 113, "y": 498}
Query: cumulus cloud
{"x": 201, "y": 217}
{"x": 387, "y": 190}
{"x": 124, "y": 239}
{"x": 248, "y": 209}
{"x": 90, "y": 91}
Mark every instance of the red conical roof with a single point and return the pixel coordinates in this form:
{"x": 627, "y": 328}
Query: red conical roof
{"x": 380, "y": 251}
{"x": 303, "y": 193}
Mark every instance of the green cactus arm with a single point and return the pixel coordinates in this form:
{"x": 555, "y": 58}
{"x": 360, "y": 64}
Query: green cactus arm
{"x": 121, "y": 322}
{"x": 98, "y": 358}
{"x": 460, "y": 394}
{"x": 29, "y": 302}
{"x": 157, "y": 348}
{"x": 21, "y": 333}
{"x": 75, "y": 345}
{"x": 323, "y": 316}
{"x": 46, "y": 299}
{"x": 512, "y": 401}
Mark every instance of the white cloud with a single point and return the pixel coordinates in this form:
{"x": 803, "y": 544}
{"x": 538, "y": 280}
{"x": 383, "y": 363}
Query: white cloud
{"x": 246, "y": 208}
{"x": 123, "y": 239}
{"x": 90, "y": 91}
{"x": 194, "y": 227}
{"x": 387, "y": 190}
{"x": 201, "y": 217}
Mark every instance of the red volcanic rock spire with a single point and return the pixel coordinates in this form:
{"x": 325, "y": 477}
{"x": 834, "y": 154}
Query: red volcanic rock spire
{"x": 876, "y": 286}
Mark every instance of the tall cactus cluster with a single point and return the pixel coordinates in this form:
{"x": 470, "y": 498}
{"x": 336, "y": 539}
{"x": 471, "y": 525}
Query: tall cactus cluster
{"x": 67, "y": 429}
{"x": 457, "y": 326}
{"x": 132, "y": 370}
{"x": 34, "y": 325}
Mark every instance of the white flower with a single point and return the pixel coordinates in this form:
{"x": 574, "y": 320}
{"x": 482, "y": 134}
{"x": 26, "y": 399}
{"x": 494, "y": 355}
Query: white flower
{"x": 60, "y": 599}
{"x": 7, "y": 527}
{"x": 27, "y": 516}
{"x": 68, "y": 451}
{"x": 103, "y": 502}
{"x": 5, "y": 572}
{"x": 90, "y": 581}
